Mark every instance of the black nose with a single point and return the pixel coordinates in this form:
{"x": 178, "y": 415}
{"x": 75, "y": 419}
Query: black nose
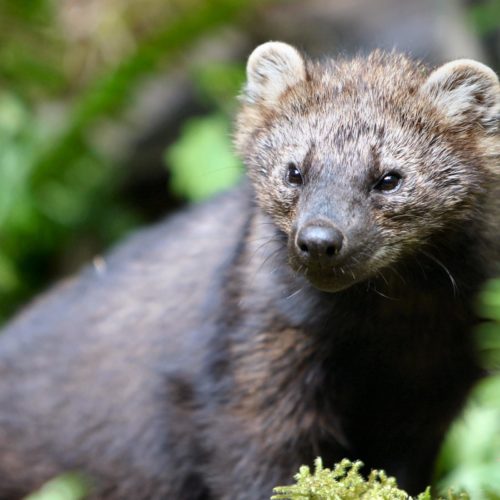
{"x": 319, "y": 242}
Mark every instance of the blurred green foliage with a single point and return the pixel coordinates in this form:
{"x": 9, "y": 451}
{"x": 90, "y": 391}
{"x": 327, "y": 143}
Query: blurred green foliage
{"x": 218, "y": 84}
{"x": 39, "y": 215}
{"x": 201, "y": 161}
{"x": 57, "y": 188}
{"x": 70, "y": 486}
{"x": 29, "y": 48}
{"x": 485, "y": 15}
{"x": 470, "y": 458}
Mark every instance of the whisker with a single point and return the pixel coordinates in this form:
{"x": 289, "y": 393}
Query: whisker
{"x": 398, "y": 274}
{"x": 294, "y": 293}
{"x": 270, "y": 256}
{"x": 378, "y": 292}
{"x": 381, "y": 274}
{"x": 437, "y": 261}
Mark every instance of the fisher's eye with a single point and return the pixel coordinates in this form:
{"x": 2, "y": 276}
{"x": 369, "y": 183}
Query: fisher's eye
{"x": 293, "y": 175}
{"x": 388, "y": 183}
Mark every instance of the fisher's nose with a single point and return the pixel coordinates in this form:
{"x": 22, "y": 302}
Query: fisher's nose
{"x": 319, "y": 242}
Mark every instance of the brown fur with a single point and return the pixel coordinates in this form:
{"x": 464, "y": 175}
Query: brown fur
{"x": 211, "y": 358}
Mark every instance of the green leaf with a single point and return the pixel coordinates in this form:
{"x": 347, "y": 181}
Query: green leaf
{"x": 201, "y": 161}
{"x": 470, "y": 456}
{"x": 70, "y": 486}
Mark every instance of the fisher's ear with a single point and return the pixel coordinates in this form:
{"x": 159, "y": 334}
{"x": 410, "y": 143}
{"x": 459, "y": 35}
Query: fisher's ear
{"x": 272, "y": 68}
{"x": 467, "y": 92}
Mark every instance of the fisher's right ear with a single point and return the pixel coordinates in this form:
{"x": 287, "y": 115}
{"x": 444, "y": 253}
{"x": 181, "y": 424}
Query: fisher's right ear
{"x": 272, "y": 68}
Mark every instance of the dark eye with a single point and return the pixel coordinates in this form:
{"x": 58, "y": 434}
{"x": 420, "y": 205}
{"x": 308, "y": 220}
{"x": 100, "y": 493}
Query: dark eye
{"x": 389, "y": 182}
{"x": 293, "y": 175}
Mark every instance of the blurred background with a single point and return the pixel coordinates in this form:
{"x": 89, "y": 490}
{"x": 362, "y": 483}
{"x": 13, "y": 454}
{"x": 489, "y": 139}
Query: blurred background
{"x": 115, "y": 112}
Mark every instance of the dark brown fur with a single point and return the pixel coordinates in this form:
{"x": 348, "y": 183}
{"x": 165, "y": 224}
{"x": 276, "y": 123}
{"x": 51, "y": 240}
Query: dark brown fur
{"x": 204, "y": 362}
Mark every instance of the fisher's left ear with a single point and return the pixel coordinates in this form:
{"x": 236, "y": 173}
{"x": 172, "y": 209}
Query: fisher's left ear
{"x": 467, "y": 93}
{"x": 272, "y": 68}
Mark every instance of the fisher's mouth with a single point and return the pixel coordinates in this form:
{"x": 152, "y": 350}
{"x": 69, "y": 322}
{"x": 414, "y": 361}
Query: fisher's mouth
{"x": 331, "y": 279}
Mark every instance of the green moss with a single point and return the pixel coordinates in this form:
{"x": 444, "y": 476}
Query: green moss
{"x": 345, "y": 482}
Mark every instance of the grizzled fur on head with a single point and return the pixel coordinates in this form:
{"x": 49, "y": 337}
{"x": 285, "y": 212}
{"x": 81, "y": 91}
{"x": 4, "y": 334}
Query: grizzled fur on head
{"x": 345, "y": 125}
